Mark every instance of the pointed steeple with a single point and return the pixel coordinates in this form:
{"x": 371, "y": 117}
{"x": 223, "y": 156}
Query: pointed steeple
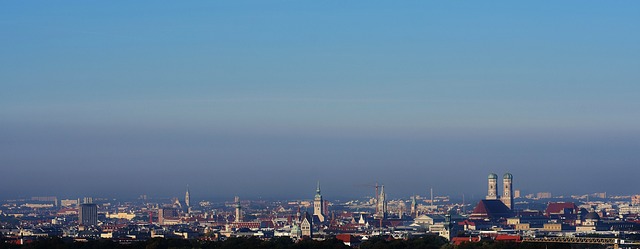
{"x": 382, "y": 203}
{"x": 318, "y": 204}
{"x": 187, "y": 197}
{"x": 318, "y": 190}
{"x": 414, "y": 206}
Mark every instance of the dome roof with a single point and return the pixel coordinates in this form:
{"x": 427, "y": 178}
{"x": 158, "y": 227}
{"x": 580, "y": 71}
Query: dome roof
{"x": 592, "y": 216}
{"x": 493, "y": 176}
{"x": 507, "y": 176}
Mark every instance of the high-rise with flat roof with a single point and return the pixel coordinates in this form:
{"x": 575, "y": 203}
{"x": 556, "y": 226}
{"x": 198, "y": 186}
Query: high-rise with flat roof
{"x": 88, "y": 214}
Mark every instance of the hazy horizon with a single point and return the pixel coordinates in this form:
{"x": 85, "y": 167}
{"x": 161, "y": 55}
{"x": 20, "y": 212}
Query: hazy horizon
{"x": 265, "y": 98}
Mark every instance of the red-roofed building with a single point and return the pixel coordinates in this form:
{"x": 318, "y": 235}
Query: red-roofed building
{"x": 491, "y": 209}
{"x": 508, "y": 238}
{"x": 348, "y": 239}
{"x": 19, "y": 240}
{"x": 459, "y": 240}
{"x": 250, "y": 225}
{"x": 556, "y": 210}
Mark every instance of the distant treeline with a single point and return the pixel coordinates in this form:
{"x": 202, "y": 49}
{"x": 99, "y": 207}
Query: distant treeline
{"x": 429, "y": 242}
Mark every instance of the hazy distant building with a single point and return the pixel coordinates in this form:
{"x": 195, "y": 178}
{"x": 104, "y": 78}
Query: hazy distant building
{"x": 87, "y": 200}
{"x": 88, "y": 214}
{"x": 507, "y": 193}
{"x": 516, "y": 193}
{"x": 602, "y": 195}
{"x": 543, "y": 195}
{"x": 629, "y": 209}
{"x": 635, "y": 200}
{"x": 68, "y": 203}
{"x": 318, "y": 205}
{"x": 52, "y": 199}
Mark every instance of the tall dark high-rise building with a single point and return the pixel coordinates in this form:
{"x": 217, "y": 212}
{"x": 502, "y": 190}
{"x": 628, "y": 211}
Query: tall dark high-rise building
{"x": 167, "y": 213}
{"x": 88, "y": 214}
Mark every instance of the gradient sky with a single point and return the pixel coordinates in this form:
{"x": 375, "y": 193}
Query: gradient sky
{"x": 264, "y": 98}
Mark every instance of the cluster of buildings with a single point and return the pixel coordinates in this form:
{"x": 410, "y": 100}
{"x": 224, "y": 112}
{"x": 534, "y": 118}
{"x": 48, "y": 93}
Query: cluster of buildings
{"x": 582, "y": 216}
{"x": 496, "y": 217}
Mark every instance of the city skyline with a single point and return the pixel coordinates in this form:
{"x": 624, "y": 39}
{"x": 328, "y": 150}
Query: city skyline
{"x": 370, "y": 193}
{"x": 254, "y": 98}
{"x": 501, "y": 217}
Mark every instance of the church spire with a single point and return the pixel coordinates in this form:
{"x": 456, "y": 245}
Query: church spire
{"x": 382, "y": 204}
{"x": 318, "y": 204}
{"x": 187, "y": 197}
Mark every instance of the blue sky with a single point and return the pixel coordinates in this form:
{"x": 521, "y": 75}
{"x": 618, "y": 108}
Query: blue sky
{"x": 280, "y": 94}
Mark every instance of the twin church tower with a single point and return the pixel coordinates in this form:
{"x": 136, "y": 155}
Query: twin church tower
{"x": 507, "y": 190}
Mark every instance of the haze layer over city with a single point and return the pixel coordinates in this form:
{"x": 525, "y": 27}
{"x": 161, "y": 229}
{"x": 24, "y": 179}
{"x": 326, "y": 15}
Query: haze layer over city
{"x": 262, "y": 99}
